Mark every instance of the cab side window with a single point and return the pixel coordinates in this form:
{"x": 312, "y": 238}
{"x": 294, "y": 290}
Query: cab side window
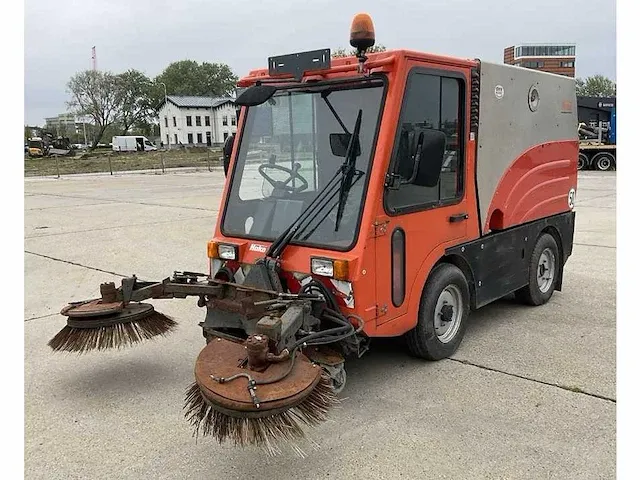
{"x": 433, "y": 108}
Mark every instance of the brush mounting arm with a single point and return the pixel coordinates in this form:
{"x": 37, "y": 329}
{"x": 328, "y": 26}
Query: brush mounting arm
{"x": 133, "y": 290}
{"x": 183, "y": 285}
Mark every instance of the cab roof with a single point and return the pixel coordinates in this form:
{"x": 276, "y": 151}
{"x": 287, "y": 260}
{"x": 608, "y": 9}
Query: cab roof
{"x": 348, "y": 64}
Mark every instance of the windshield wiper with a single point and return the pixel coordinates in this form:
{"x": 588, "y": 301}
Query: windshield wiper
{"x": 348, "y": 169}
{"x": 319, "y": 202}
{"x": 326, "y": 195}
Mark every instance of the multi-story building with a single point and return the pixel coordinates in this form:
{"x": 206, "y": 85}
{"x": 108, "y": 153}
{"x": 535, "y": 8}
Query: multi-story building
{"x": 67, "y": 125}
{"x": 196, "y": 120}
{"x": 554, "y": 58}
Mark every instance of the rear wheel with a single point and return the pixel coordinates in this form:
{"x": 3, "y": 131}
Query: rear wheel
{"x": 583, "y": 161}
{"x": 604, "y": 161}
{"x": 544, "y": 268}
{"x": 443, "y": 313}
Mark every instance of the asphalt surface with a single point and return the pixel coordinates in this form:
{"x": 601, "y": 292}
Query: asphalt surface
{"x": 530, "y": 393}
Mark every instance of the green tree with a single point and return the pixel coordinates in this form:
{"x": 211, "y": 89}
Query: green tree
{"x": 342, "y": 52}
{"x": 95, "y": 94}
{"x": 135, "y": 92}
{"x": 596, "y": 86}
{"x": 188, "y": 77}
{"x": 30, "y": 131}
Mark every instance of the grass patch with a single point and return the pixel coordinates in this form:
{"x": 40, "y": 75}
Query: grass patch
{"x": 106, "y": 161}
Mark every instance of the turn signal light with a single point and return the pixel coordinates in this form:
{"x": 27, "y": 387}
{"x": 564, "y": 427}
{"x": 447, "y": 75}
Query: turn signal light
{"x": 340, "y": 269}
{"x": 212, "y": 249}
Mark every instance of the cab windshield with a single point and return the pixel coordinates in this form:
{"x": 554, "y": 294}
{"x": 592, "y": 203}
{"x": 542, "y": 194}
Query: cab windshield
{"x": 290, "y": 149}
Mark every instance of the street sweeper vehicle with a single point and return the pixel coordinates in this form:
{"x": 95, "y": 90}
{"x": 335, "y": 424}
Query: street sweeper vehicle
{"x": 379, "y": 195}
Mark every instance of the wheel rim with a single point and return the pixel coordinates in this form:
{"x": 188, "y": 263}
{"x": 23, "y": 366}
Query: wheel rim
{"x": 546, "y": 270}
{"x": 604, "y": 163}
{"x": 448, "y": 313}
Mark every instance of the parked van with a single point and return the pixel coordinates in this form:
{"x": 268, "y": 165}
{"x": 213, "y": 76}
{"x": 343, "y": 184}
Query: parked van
{"x": 132, "y": 144}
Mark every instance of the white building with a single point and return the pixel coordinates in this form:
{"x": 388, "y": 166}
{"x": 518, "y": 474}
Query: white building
{"x": 196, "y": 120}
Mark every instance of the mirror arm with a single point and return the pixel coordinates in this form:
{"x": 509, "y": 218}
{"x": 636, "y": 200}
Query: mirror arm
{"x": 335, "y": 114}
{"x": 416, "y": 159}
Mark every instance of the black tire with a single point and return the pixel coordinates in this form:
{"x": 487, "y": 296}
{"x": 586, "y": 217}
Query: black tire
{"x": 604, "y": 161}
{"x": 423, "y": 340}
{"x": 583, "y": 161}
{"x": 532, "y": 294}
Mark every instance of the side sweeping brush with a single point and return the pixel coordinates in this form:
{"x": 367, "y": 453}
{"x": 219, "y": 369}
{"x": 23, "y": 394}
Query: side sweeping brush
{"x": 253, "y": 408}
{"x": 101, "y": 326}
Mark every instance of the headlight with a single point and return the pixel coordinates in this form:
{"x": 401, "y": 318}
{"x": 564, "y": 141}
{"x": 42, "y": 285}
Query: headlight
{"x": 338, "y": 269}
{"x": 227, "y": 252}
{"x": 321, "y": 266}
{"x": 224, "y": 251}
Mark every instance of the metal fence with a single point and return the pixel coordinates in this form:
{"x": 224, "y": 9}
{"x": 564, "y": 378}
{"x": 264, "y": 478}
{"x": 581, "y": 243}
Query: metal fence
{"x": 200, "y": 159}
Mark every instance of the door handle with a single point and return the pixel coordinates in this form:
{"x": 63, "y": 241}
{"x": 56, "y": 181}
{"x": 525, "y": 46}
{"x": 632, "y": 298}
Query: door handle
{"x": 458, "y": 217}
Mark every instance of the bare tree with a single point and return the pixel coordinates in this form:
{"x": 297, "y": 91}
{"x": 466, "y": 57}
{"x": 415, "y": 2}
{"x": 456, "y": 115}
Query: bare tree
{"x": 95, "y": 94}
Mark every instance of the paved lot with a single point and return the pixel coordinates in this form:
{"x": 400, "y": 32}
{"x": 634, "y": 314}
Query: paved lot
{"x": 530, "y": 393}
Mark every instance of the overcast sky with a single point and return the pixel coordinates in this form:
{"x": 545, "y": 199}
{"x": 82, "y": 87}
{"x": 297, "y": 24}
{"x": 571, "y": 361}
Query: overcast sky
{"x": 148, "y": 35}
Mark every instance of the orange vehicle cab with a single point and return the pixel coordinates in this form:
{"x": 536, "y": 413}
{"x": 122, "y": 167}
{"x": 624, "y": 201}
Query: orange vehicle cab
{"x": 413, "y": 187}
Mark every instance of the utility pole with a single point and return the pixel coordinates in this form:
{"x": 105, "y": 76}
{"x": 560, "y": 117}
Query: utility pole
{"x": 94, "y": 59}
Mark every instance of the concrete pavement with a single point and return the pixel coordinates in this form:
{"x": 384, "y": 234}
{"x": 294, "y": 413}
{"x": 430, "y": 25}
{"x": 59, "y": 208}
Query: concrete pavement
{"x": 530, "y": 393}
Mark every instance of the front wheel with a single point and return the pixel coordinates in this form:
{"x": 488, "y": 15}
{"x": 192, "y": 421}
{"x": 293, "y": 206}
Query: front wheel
{"x": 442, "y": 317}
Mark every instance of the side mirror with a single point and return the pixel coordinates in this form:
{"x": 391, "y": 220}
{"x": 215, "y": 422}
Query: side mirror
{"x": 429, "y": 157}
{"x": 227, "y": 148}
{"x": 256, "y": 95}
{"x": 340, "y": 143}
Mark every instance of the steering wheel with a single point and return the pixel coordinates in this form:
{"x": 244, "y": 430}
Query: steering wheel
{"x": 279, "y": 184}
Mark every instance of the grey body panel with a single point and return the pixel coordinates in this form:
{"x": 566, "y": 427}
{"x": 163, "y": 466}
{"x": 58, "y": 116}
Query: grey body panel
{"x": 508, "y": 127}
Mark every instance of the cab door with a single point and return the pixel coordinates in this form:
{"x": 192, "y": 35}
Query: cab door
{"x": 415, "y": 221}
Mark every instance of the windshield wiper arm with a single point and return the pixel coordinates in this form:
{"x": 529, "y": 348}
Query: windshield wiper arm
{"x": 279, "y": 244}
{"x": 312, "y": 230}
{"x": 348, "y": 169}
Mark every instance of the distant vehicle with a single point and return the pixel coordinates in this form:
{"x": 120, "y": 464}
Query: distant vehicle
{"x": 36, "y": 147}
{"x": 47, "y": 144}
{"x": 132, "y": 144}
{"x": 597, "y": 132}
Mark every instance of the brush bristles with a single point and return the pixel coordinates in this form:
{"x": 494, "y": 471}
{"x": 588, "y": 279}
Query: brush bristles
{"x": 118, "y": 335}
{"x": 264, "y": 432}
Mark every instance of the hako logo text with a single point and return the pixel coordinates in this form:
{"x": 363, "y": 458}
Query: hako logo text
{"x": 254, "y": 247}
